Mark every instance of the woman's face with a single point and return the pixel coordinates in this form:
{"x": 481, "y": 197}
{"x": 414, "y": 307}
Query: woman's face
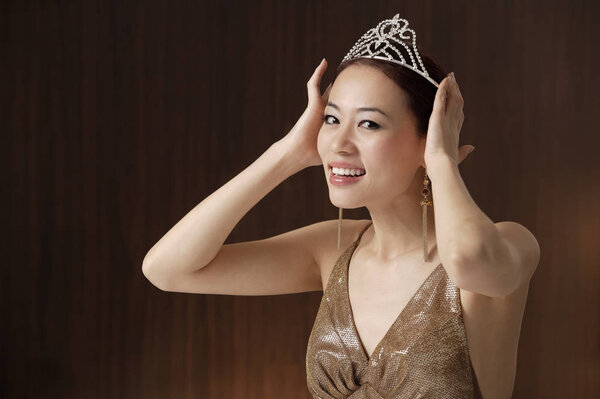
{"x": 385, "y": 143}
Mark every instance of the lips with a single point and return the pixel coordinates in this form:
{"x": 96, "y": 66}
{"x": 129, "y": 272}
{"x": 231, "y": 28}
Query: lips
{"x": 343, "y": 180}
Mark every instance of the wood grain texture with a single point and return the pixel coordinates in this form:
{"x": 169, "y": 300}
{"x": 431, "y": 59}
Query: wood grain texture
{"x": 117, "y": 118}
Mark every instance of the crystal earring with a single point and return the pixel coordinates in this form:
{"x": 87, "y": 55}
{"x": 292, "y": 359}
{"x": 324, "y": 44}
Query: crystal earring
{"x": 424, "y": 203}
{"x": 339, "y": 227}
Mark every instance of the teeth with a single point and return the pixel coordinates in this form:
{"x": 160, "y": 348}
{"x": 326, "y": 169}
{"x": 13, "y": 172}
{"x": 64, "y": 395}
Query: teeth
{"x": 348, "y": 172}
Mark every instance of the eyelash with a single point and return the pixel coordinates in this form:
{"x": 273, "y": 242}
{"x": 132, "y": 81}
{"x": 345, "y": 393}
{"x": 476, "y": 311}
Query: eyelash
{"x": 376, "y": 126}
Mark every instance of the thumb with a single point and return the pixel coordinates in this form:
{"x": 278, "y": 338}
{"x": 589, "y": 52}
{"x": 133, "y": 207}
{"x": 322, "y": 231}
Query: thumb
{"x": 464, "y": 151}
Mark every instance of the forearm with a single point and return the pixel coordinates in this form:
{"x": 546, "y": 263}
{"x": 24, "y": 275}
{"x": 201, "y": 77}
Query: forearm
{"x": 463, "y": 231}
{"x": 197, "y": 238}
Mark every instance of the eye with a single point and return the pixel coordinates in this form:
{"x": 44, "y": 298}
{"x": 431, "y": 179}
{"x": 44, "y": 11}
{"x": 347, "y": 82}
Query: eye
{"x": 373, "y": 124}
{"x": 326, "y": 118}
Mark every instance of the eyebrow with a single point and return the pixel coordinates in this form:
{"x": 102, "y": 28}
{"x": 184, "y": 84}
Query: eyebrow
{"x": 361, "y": 109}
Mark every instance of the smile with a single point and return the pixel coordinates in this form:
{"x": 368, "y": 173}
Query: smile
{"x": 342, "y": 179}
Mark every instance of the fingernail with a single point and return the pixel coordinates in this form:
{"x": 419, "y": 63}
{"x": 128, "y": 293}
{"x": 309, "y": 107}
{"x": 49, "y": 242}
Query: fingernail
{"x": 471, "y": 150}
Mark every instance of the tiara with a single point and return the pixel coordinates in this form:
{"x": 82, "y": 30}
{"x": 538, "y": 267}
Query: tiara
{"x": 385, "y": 42}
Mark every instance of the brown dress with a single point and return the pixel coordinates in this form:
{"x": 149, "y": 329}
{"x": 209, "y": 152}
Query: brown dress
{"x": 424, "y": 354}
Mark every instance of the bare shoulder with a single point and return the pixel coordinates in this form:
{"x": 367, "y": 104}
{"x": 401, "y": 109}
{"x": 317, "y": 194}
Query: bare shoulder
{"x": 324, "y": 244}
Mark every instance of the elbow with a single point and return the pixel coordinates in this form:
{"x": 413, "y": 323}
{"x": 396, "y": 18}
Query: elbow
{"x": 154, "y": 276}
{"x": 503, "y": 268}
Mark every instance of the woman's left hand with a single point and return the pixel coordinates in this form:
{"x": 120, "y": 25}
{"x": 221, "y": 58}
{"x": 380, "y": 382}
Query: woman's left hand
{"x": 445, "y": 123}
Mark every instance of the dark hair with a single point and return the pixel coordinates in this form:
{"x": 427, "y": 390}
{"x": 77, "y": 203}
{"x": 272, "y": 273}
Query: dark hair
{"x": 420, "y": 91}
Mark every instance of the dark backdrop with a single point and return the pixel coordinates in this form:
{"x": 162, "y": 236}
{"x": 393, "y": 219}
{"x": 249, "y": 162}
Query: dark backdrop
{"x": 118, "y": 117}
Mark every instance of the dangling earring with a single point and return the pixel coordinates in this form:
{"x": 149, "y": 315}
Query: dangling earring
{"x": 339, "y": 227}
{"x": 424, "y": 203}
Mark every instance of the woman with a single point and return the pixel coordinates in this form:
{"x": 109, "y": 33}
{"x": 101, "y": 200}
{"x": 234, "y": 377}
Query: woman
{"x": 396, "y": 319}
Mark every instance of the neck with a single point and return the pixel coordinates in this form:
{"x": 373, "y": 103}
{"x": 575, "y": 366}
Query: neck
{"x": 398, "y": 226}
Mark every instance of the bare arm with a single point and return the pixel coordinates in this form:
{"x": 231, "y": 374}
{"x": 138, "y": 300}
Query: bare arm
{"x": 492, "y": 259}
{"x": 191, "y": 256}
{"x": 197, "y": 238}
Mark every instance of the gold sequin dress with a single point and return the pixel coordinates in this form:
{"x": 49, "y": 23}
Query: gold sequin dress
{"x": 424, "y": 354}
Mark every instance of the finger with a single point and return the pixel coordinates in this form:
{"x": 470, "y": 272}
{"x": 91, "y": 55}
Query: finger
{"x": 326, "y": 94}
{"x": 439, "y": 104}
{"x": 458, "y": 93}
{"x": 461, "y": 118}
{"x": 454, "y": 102}
{"x": 458, "y": 116}
{"x": 312, "y": 85}
{"x": 451, "y": 107}
{"x": 459, "y": 97}
{"x": 462, "y": 154}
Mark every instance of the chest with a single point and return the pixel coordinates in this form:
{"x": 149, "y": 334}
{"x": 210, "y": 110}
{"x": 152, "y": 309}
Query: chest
{"x": 378, "y": 298}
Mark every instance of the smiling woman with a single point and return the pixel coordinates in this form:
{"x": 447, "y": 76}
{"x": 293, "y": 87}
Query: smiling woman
{"x": 400, "y": 321}
{"x": 390, "y": 324}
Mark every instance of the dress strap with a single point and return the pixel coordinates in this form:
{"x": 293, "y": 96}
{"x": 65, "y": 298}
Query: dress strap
{"x": 339, "y": 268}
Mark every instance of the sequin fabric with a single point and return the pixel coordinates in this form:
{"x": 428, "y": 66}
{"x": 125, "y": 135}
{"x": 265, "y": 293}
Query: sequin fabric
{"x": 424, "y": 353}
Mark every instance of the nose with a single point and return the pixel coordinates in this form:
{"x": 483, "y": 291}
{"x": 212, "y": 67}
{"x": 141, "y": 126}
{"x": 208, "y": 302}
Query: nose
{"x": 342, "y": 139}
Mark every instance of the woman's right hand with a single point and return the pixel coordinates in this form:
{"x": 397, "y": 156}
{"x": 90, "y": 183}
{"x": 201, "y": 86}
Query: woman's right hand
{"x": 300, "y": 143}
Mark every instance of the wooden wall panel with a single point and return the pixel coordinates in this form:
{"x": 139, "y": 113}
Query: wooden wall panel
{"x": 118, "y": 117}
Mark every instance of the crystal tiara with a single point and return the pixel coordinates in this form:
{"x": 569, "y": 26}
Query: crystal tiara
{"x": 385, "y": 42}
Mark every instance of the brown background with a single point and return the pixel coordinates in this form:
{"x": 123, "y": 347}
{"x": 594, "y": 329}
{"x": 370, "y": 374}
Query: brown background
{"x": 119, "y": 117}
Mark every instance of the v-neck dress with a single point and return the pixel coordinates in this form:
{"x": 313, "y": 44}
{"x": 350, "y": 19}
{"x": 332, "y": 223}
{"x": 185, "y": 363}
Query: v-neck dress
{"x": 424, "y": 353}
